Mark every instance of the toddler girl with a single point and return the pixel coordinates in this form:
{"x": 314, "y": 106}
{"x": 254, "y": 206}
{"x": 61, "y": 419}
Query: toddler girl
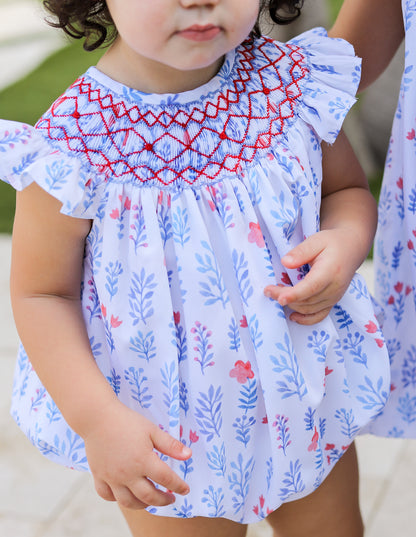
{"x": 164, "y": 201}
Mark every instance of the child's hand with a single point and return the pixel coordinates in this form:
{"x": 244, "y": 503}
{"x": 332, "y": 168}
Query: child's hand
{"x": 121, "y": 456}
{"x": 330, "y": 254}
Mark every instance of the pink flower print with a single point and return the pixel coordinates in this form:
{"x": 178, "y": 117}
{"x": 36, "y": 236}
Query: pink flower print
{"x": 193, "y": 437}
{"x": 256, "y": 509}
{"x": 390, "y": 301}
{"x": 328, "y": 371}
{"x": 265, "y": 420}
{"x": 411, "y": 134}
{"x": 115, "y": 214}
{"x": 255, "y": 234}
{"x": 408, "y": 290}
{"x": 410, "y": 244}
{"x": 181, "y": 431}
{"x": 379, "y": 342}
{"x": 270, "y": 156}
{"x": 115, "y": 322}
{"x": 176, "y": 317}
{"x": 242, "y": 371}
{"x": 127, "y": 204}
{"x": 211, "y": 205}
{"x": 243, "y": 322}
{"x": 399, "y": 183}
{"x": 160, "y": 198}
{"x": 285, "y": 278}
{"x": 328, "y": 447}
{"x": 313, "y": 446}
{"x": 371, "y": 327}
{"x": 103, "y": 310}
{"x": 398, "y": 287}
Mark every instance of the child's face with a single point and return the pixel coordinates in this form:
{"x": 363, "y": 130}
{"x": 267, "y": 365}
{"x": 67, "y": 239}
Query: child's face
{"x": 167, "y": 39}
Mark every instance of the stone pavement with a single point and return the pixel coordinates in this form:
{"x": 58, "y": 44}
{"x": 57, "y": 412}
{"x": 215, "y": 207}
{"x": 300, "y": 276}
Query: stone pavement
{"x": 41, "y": 499}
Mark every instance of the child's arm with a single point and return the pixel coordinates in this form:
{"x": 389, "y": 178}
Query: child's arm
{"x": 375, "y": 29}
{"x": 46, "y": 273}
{"x": 348, "y": 223}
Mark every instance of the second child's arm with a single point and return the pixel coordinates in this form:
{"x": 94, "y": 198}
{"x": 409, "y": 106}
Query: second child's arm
{"x": 348, "y": 223}
{"x": 47, "y": 255}
{"x": 375, "y": 29}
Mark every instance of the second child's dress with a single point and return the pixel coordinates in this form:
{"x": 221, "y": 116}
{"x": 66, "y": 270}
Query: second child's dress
{"x": 395, "y": 251}
{"x": 194, "y": 198}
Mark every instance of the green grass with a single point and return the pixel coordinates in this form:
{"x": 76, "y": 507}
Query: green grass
{"x": 30, "y": 97}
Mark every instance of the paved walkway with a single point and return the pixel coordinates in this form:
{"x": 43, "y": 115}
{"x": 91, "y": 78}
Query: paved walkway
{"x": 41, "y": 499}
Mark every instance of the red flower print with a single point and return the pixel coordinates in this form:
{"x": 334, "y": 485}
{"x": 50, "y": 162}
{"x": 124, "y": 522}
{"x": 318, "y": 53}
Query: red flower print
{"x": 103, "y": 310}
{"x": 180, "y": 431}
{"x": 379, "y": 342}
{"x": 211, "y": 205}
{"x": 265, "y": 420}
{"x": 115, "y": 214}
{"x": 329, "y": 447}
{"x": 243, "y": 322}
{"x": 160, "y": 198}
{"x": 410, "y": 244}
{"x": 285, "y": 278}
{"x": 414, "y": 232}
{"x": 371, "y": 327}
{"x": 261, "y": 500}
{"x": 314, "y": 444}
{"x": 398, "y": 287}
{"x": 411, "y": 134}
{"x": 392, "y": 387}
{"x": 193, "y": 437}
{"x": 255, "y": 234}
{"x": 115, "y": 322}
{"x": 256, "y": 509}
{"x": 399, "y": 182}
{"x": 328, "y": 371}
{"x": 242, "y": 371}
{"x": 127, "y": 204}
{"x": 408, "y": 290}
{"x": 390, "y": 301}
{"x": 176, "y": 317}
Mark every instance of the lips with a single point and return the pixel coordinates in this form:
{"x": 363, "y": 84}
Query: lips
{"x": 198, "y": 32}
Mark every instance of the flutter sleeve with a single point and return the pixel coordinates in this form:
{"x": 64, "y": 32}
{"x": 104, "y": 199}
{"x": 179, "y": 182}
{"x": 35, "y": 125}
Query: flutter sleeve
{"x": 27, "y": 157}
{"x": 330, "y": 88}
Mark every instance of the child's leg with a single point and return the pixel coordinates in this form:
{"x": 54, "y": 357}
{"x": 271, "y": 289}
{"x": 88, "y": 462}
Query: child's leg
{"x": 331, "y": 510}
{"x": 142, "y": 524}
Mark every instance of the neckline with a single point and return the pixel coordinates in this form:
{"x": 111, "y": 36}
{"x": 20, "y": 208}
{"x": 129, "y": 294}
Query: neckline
{"x": 166, "y": 99}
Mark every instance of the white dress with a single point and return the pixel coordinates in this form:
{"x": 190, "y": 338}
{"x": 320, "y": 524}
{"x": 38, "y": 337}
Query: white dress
{"x": 194, "y": 199}
{"x": 395, "y": 250}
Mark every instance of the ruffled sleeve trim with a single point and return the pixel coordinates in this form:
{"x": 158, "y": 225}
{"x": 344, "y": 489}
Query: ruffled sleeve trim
{"x": 330, "y": 88}
{"x": 27, "y": 157}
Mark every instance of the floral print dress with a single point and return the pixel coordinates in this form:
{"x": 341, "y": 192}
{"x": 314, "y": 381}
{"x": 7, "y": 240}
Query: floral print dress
{"x": 395, "y": 250}
{"x": 194, "y": 198}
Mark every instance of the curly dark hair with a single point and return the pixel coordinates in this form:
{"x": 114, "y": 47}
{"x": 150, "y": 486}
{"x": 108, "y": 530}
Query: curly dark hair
{"x": 91, "y": 20}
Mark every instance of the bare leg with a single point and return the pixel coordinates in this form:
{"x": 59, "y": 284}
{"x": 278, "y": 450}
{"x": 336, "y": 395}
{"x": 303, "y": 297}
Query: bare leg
{"x": 332, "y": 510}
{"x": 142, "y": 524}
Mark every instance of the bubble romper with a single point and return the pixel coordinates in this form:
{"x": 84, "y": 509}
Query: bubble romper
{"x": 194, "y": 199}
